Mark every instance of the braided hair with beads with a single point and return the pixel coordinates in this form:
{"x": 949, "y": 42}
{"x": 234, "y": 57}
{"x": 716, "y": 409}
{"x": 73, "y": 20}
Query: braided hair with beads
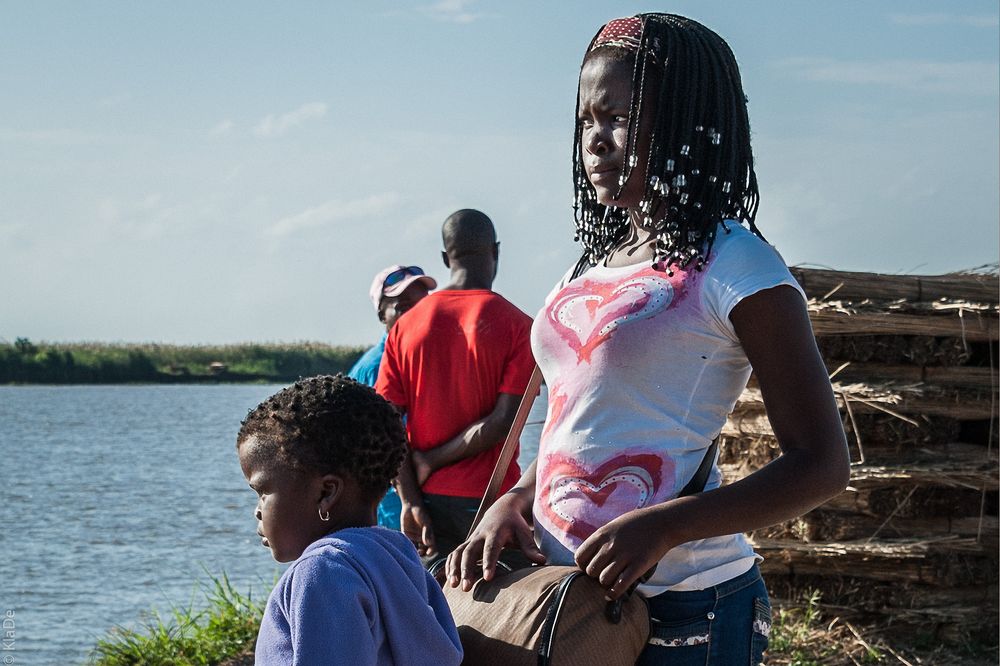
{"x": 699, "y": 171}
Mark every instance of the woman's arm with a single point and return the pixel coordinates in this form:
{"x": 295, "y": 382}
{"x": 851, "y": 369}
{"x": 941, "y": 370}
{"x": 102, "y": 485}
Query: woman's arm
{"x": 506, "y": 525}
{"x": 773, "y": 327}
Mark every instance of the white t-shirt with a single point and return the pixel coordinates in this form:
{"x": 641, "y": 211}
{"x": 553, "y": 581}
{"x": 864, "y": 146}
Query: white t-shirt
{"x": 642, "y": 371}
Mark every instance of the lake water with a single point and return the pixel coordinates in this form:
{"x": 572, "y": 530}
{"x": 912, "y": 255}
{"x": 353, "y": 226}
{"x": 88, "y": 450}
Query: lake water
{"x": 121, "y": 500}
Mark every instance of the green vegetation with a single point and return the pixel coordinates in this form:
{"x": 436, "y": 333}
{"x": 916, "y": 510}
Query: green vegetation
{"x": 795, "y": 637}
{"x": 224, "y": 632}
{"x": 96, "y": 363}
{"x": 802, "y": 636}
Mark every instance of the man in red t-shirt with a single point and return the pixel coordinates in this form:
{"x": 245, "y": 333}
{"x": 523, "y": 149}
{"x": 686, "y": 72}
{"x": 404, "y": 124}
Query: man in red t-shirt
{"x": 457, "y": 365}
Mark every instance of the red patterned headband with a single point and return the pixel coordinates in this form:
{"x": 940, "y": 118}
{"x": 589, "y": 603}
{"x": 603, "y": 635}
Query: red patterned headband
{"x": 622, "y": 32}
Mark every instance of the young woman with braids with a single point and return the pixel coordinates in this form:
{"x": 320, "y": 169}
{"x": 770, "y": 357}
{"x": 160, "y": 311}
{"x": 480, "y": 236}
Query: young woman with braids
{"x": 647, "y": 344}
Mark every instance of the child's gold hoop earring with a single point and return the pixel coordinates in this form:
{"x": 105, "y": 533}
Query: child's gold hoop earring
{"x": 324, "y": 518}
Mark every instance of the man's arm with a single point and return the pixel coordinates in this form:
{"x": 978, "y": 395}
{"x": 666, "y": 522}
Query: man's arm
{"x": 414, "y": 521}
{"x": 477, "y": 437}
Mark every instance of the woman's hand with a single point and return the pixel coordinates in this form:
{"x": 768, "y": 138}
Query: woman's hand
{"x": 503, "y": 526}
{"x": 622, "y": 551}
{"x": 773, "y": 328}
{"x": 415, "y": 523}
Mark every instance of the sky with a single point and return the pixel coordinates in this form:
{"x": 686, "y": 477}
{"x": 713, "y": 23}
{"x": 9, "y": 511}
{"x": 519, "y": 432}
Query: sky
{"x": 190, "y": 172}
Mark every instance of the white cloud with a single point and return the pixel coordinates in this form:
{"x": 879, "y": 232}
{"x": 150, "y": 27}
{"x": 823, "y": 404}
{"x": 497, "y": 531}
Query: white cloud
{"x": 222, "y": 128}
{"x": 144, "y": 218}
{"x": 272, "y": 125}
{"x": 940, "y": 18}
{"x": 969, "y": 77}
{"x": 452, "y": 11}
{"x": 332, "y": 211}
{"x": 428, "y": 224}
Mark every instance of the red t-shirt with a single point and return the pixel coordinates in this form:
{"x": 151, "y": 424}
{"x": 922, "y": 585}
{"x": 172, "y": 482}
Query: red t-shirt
{"x": 445, "y": 363}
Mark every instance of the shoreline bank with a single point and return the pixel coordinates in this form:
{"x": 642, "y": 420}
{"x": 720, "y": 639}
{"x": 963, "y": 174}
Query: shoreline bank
{"x": 25, "y": 363}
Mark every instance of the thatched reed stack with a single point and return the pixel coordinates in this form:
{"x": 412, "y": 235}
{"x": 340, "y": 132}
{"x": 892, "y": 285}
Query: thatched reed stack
{"x": 913, "y": 542}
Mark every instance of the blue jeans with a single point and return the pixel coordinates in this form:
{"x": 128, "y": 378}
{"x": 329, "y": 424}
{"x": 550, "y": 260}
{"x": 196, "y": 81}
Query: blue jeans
{"x": 725, "y": 625}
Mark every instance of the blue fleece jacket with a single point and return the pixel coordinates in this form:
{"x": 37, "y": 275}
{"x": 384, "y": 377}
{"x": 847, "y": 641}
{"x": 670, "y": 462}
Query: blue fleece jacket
{"x": 358, "y": 597}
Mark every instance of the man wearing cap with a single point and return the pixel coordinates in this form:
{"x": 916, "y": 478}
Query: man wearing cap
{"x": 457, "y": 366}
{"x": 394, "y": 290}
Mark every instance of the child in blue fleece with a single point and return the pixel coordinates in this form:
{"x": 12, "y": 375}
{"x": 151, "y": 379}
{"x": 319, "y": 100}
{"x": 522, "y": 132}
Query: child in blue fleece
{"x": 320, "y": 455}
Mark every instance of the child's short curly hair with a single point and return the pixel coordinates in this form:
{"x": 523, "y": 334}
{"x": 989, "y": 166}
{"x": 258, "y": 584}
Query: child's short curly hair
{"x": 331, "y": 424}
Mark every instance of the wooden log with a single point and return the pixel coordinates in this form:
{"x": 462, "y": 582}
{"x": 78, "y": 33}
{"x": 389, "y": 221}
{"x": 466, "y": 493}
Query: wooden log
{"x": 958, "y": 404}
{"x": 970, "y": 327}
{"x": 817, "y": 283}
{"x": 874, "y": 594}
{"x": 944, "y": 563}
{"x": 750, "y": 453}
{"x": 914, "y": 502}
{"x": 943, "y": 307}
{"x": 945, "y": 474}
{"x": 949, "y": 376}
{"x": 896, "y": 349}
{"x": 875, "y": 427}
{"x": 960, "y": 376}
{"x": 891, "y": 435}
{"x": 961, "y": 406}
{"x": 748, "y": 441}
{"x": 956, "y": 452}
{"x": 824, "y": 525}
{"x": 953, "y": 402}
{"x": 950, "y": 476}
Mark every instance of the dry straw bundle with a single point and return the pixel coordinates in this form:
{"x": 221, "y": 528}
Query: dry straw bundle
{"x": 912, "y": 542}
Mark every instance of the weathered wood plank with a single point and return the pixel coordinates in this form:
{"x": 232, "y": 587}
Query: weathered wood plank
{"x": 957, "y": 376}
{"x": 944, "y": 563}
{"x": 825, "y": 525}
{"x": 845, "y": 285}
{"x": 968, "y": 326}
{"x": 956, "y": 403}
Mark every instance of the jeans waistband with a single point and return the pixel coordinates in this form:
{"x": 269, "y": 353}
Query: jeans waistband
{"x": 719, "y": 591}
{"x": 736, "y": 584}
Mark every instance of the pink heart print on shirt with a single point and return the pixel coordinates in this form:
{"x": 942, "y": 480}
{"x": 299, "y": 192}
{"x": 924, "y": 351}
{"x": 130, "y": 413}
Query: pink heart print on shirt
{"x": 578, "y": 501}
{"x": 585, "y": 315}
{"x": 557, "y": 403}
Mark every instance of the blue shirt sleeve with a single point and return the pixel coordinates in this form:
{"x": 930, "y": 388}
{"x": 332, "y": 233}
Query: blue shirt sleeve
{"x": 365, "y": 369}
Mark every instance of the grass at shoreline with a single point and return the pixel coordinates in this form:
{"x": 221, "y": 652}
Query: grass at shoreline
{"x": 25, "y": 362}
{"x": 224, "y": 633}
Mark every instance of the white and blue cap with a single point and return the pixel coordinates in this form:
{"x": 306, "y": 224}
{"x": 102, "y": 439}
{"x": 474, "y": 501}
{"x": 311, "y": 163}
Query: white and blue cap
{"x": 393, "y": 281}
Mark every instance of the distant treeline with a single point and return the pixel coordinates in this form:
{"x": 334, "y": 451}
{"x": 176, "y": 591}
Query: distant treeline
{"x": 25, "y": 362}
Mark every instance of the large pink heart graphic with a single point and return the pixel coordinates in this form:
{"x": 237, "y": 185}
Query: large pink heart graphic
{"x": 586, "y": 315}
{"x": 579, "y": 501}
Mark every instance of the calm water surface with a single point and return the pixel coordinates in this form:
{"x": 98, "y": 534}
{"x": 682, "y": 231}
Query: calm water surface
{"x": 121, "y": 500}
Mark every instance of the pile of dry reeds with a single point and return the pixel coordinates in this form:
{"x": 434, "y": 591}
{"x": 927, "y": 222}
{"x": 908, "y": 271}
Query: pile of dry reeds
{"x": 913, "y": 541}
